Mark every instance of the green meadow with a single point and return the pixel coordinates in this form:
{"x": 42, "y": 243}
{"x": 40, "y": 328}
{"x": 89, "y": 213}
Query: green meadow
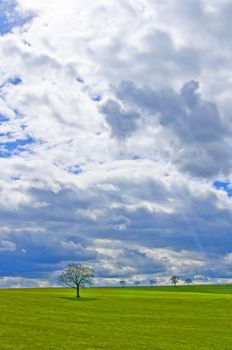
{"x": 193, "y": 318}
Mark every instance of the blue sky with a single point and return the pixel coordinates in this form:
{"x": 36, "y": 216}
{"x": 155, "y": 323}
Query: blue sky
{"x": 6, "y": 23}
{"x": 115, "y": 140}
{"x": 10, "y": 17}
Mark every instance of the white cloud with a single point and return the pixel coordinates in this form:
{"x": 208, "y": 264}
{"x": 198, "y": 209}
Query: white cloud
{"x": 117, "y": 175}
{"x": 19, "y": 282}
{"x": 7, "y": 246}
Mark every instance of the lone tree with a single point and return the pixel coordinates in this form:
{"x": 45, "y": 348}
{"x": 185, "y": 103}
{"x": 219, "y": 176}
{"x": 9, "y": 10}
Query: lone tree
{"x": 136, "y": 283}
{"x": 122, "y": 283}
{"x": 152, "y": 282}
{"x": 188, "y": 281}
{"x": 174, "y": 280}
{"x": 76, "y": 276}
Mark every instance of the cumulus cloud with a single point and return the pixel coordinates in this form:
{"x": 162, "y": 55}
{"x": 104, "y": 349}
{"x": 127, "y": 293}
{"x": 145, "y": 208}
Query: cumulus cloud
{"x": 7, "y": 246}
{"x": 113, "y": 133}
{"x": 122, "y": 122}
{"x": 194, "y": 127}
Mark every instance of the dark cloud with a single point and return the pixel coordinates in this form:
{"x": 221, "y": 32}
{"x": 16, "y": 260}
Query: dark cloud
{"x": 34, "y": 255}
{"x": 143, "y": 205}
{"x": 159, "y": 60}
{"x": 122, "y": 122}
{"x": 195, "y": 127}
{"x": 192, "y": 118}
{"x": 64, "y": 232}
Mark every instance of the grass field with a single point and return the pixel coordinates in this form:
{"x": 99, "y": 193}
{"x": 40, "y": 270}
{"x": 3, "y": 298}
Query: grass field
{"x": 193, "y": 318}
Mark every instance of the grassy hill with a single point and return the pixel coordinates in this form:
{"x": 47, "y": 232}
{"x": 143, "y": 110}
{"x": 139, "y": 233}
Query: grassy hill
{"x": 162, "y": 318}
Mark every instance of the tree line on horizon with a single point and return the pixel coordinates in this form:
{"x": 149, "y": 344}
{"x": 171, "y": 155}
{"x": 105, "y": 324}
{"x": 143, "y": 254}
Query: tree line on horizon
{"x": 174, "y": 280}
{"x": 78, "y": 275}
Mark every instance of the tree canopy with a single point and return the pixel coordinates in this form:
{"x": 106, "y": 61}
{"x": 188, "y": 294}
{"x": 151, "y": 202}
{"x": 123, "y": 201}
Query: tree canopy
{"x": 188, "y": 281}
{"x": 76, "y": 275}
{"x": 152, "y": 282}
{"x": 174, "y": 280}
{"x": 122, "y": 283}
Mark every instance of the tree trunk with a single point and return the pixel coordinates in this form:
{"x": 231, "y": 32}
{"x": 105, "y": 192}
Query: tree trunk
{"x": 78, "y": 292}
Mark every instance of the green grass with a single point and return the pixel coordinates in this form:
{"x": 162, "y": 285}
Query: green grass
{"x": 162, "y": 318}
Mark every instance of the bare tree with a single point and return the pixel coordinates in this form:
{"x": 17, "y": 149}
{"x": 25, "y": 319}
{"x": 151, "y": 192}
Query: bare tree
{"x": 188, "y": 281}
{"x": 76, "y": 276}
{"x": 174, "y": 280}
{"x": 122, "y": 283}
{"x": 152, "y": 282}
{"x": 136, "y": 283}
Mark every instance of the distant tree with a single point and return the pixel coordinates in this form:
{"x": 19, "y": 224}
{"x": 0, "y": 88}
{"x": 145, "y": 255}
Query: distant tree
{"x": 122, "y": 283}
{"x": 136, "y": 283}
{"x": 174, "y": 280}
{"x": 76, "y": 276}
{"x": 188, "y": 281}
{"x": 152, "y": 282}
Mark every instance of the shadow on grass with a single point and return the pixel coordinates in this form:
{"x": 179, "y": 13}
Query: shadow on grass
{"x": 78, "y": 300}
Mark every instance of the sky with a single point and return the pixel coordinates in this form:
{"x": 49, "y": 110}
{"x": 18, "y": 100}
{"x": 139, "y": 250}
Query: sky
{"x": 115, "y": 140}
